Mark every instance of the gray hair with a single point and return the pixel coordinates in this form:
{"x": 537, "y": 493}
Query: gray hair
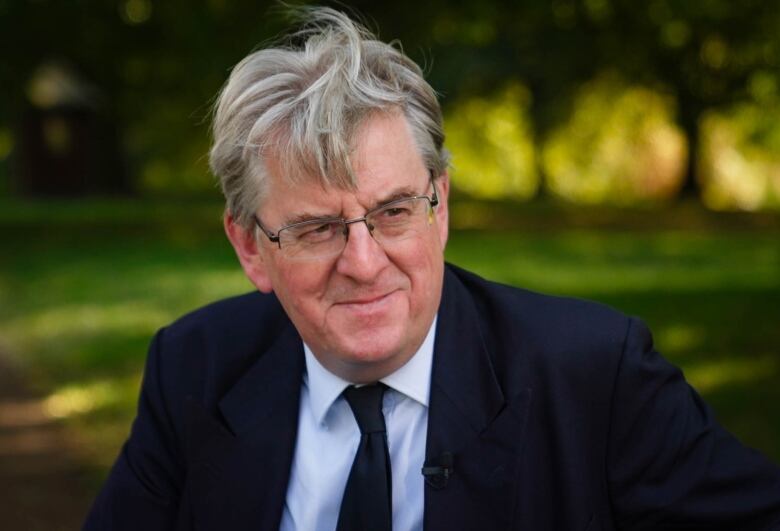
{"x": 303, "y": 104}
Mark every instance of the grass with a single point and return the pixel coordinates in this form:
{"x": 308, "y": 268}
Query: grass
{"x": 84, "y": 285}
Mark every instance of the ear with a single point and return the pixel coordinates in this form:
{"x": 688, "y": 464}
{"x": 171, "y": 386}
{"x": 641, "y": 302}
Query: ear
{"x": 442, "y": 211}
{"x": 249, "y": 253}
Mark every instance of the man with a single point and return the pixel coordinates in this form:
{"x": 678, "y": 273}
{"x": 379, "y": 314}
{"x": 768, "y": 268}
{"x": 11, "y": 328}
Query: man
{"x": 371, "y": 386}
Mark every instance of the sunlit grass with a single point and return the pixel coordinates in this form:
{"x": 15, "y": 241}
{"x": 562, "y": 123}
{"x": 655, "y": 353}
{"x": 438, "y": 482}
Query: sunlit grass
{"x": 584, "y": 262}
{"x": 718, "y": 373}
{"x": 80, "y": 399}
{"x": 680, "y": 338}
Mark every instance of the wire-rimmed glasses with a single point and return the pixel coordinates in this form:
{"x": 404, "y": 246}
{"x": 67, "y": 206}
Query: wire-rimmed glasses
{"x": 391, "y": 222}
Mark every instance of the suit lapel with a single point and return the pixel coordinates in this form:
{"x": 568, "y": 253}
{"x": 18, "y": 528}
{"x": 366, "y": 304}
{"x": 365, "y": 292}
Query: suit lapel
{"x": 239, "y": 471}
{"x": 472, "y": 418}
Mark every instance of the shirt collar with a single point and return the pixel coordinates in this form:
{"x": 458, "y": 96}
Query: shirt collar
{"x": 412, "y": 379}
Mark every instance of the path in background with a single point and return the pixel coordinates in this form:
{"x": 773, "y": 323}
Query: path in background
{"x": 41, "y": 475}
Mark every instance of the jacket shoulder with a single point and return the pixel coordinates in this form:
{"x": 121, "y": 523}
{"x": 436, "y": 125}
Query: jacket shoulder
{"x": 533, "y": 333}
{"x": 537, "y": 313}
{"x": 235, "y": 315}
{"x": 204, "y": 352}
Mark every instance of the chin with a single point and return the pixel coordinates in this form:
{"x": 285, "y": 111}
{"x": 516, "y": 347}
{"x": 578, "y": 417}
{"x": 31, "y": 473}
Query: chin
{"x": 372, "y": 347}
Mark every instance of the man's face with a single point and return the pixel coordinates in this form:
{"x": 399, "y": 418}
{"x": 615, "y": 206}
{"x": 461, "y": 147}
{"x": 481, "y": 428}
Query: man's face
{"x": 364, "y": 312}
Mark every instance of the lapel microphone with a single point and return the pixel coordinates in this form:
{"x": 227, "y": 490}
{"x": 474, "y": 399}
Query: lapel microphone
{"x": 436, "y": 476}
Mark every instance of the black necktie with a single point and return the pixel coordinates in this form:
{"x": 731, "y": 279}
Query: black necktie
{"x": 367, "y": 503}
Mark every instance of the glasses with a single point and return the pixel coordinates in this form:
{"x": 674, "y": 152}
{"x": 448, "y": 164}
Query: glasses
{"x": 324, "y": 237}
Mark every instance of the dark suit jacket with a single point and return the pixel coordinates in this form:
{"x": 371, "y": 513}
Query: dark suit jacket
{"x": 558, "y": 412}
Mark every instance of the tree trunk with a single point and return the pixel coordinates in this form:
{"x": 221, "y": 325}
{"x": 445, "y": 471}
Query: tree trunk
{"x": 689, "y": 120}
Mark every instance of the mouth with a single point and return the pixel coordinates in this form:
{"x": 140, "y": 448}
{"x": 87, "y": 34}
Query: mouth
{"x": 366, "y": 303}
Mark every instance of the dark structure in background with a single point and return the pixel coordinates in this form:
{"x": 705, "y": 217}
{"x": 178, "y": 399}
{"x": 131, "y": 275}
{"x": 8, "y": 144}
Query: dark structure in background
{"x": 67, "y": 146}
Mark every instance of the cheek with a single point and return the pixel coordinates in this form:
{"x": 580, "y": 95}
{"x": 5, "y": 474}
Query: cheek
{"x": 423, "y": 264}
{"x": 302, "y": 288}
{"x": 442, "y": 227}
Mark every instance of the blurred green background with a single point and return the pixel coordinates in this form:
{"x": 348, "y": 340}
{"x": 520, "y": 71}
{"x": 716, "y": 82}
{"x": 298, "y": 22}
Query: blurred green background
{"x": 622, "y": 151}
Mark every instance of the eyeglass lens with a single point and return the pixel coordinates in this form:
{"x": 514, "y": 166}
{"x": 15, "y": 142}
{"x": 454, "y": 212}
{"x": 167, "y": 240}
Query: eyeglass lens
{"x": 393, "y": 222}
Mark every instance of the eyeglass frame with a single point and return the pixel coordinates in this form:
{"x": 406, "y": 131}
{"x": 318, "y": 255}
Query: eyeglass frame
{"x": 274, "y": 237}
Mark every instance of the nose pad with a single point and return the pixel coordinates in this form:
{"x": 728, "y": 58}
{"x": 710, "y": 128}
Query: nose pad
{"x": 362, "y": 259}
{"x": 369, "y": 226}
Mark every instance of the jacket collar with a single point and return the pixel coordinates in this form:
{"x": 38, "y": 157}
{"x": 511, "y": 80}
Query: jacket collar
{"x": 270, "y": 387}
{"x": 239, "y": 474}
{"x": 463, "y": 375}
{"x": 473, "y": 419}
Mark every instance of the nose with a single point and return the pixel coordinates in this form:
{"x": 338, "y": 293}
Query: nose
{"x": 363, "y": 257}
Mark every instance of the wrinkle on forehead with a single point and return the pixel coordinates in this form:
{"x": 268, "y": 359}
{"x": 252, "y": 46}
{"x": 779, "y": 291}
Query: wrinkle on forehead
{"x": 373, "y": 178}
{"x": 340, "y": 203}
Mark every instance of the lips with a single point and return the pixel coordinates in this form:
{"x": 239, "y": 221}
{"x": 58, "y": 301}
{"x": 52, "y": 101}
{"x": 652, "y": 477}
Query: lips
{"x": 366, "y": 300}
{"x": 368, "y": 304}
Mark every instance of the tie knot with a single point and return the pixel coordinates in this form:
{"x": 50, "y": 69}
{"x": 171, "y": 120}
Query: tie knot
{"x": 366, "y": 404}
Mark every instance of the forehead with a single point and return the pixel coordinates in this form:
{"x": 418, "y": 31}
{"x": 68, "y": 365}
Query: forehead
{"x": 386, "y": 163}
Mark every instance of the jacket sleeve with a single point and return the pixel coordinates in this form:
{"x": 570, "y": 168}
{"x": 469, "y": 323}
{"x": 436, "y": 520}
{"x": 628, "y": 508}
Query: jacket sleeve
{"x": 142, "y": 490}
{"x": 671, "y": 465}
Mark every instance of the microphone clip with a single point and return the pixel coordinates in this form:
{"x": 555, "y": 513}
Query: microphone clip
{"x": 437, "y": 476}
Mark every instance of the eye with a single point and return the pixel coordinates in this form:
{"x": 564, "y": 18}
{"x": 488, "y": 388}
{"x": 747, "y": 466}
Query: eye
{"x": 325, "y": 227}
{"x": 396, "y": 211}
{"x": 316, "y": 232}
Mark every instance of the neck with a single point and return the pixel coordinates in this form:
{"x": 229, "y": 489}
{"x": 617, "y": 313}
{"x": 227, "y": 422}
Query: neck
{"x": 365, "y": 372}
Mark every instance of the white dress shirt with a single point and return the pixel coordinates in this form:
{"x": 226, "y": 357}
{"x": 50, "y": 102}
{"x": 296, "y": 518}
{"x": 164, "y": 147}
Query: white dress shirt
{"x": 328, "y": 438}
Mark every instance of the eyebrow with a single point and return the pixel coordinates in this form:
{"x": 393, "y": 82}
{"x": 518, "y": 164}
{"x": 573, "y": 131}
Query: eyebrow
{"x": 399, "y": 193}
{"x": 308, "y": 216}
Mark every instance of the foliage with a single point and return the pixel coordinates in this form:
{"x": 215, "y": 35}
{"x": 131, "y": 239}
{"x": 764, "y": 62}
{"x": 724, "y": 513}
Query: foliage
{"x": 739, "y": 163}
{"x": 620, "y": 146}
{"x": 492, "y": 143}
{"x": 153, "y": 68}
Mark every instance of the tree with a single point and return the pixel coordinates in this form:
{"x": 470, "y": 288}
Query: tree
{"x": 158, "y": 64}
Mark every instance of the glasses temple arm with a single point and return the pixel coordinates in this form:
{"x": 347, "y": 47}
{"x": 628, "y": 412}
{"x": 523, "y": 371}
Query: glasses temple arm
{"x": 271, "y": 236}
